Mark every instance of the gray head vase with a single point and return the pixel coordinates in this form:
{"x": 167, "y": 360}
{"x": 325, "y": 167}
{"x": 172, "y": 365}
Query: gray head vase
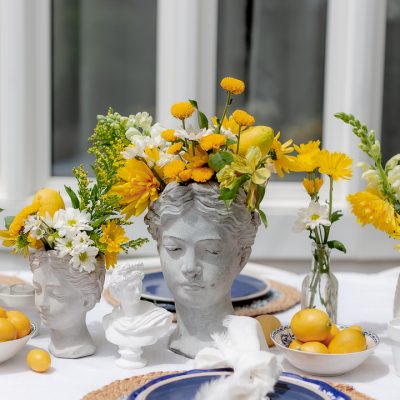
{"x": 203, "y": 245}
{"x": 63, "y": 296}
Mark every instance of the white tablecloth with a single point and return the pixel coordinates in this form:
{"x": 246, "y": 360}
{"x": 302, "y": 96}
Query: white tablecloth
{"x": 363, "y": 299}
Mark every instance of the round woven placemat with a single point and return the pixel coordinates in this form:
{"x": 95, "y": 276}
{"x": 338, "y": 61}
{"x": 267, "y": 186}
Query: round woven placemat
{"x": 10, "y": 280}
{"x": 280, "y": 298}
{"x": 121, "y": 388}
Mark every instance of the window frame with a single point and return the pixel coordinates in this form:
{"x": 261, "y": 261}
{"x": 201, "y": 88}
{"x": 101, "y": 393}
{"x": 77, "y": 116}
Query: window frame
{"x": 25, "y": 105}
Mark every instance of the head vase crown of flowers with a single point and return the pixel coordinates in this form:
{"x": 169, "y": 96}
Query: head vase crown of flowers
{"x": 229, "y": 150}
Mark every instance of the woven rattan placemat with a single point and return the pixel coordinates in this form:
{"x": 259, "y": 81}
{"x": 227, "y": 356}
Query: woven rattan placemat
{"x": 280, "y": 298}
{"x": 10, "y": 280}
{"x": 121, "y": 388}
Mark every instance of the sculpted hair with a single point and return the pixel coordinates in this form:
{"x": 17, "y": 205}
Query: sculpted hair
{"x": 124, "y": 274}
{"x": 176, "y": 199}
{"x": 89, "y": 284}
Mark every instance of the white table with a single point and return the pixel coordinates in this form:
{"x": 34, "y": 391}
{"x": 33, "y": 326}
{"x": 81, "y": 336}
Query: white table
{"x": 363, "y": 299}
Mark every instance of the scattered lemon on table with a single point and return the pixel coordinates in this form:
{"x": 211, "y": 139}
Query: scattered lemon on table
{"x": 20, "y": 321}
{"x": 268, "y": 323}
{"x": 311, "y": 324}
{"x": 38, "y": 360}
{"x": 7, "y": 330}
{"x": 3, "y": 313}
{"x": 314, "y": 347}
{"x": 348, "y": 341}
{"x": 295, "y": 345}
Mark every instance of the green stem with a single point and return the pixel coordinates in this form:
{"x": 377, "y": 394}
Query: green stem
{"x": 238, "y": 142}
{"x": 183, "y": 124}
{"x": 193, "y": 149}
{"x": 225, "y": 110}
{"x": 158, "y": 178}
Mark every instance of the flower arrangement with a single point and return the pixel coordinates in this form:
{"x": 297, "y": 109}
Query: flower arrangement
{"x": 229, "y": 150}
{"x": 379, "y": 203}
{"x": 92, "y": 227}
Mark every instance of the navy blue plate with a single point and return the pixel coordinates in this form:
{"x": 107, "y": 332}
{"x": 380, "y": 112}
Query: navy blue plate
{"x": 244, "y": 288}
{"x": 184, "y": 386}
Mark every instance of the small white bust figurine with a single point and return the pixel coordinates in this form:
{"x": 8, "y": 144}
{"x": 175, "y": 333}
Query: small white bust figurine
{"x": 135, "y": 323}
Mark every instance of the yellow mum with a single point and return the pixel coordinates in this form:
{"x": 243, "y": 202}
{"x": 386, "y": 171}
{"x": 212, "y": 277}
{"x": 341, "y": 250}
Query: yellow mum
{"x": 369, "y": 208}
{"x": 185, "y": 175}
{"x": 199, "y": 158}
{"x": 279, "y": 155}
{"x": 169, "y": 135}
{"x": 173, "y": 169}
{"x": 336, "y": 165}
{"x": 202, "y": 175}
{"x": 138, "y": 188}
{"x": 175, "y": 148}
{"x": 113, "y": 236}
{"x": 213, "y": 141}
{"x": 242, "y": 118}
{"x": 233, "y": 85}
{"x": 182, "y": 110}
{"x": 313, "y": 186}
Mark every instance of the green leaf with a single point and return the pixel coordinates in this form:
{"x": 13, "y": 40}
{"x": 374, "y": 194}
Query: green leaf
{"x": 8, "y": 221}
{"x": 72, "y": 196}
{"x": 1, "y": 209}
{"x": 94, "y": 193}
{"x": 263, "y": 217}
{"x": 231, "y": 141}
{"x": 335, "y": 244}
{"x": 260, "y": 196}
{"x": 202, "y": 119}
{"x": 218, "y": 160}
{"x": 99, "y": 222}
{"x": 228, "y": 195}
{"x": 336, "y": 215}
{"x": 194, "y": 104}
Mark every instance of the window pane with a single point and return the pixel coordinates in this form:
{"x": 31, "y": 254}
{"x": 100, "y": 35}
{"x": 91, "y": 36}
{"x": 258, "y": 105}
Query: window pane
{"x": 391, "y": 93}
{"x": 103, "y": 55}
{"x": 278, "y": 48}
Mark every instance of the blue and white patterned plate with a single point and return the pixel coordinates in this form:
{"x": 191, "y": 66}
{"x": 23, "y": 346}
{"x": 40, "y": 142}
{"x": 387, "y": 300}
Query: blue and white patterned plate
{"x": 184, "y": 386}
{"x": 244, "y": 288}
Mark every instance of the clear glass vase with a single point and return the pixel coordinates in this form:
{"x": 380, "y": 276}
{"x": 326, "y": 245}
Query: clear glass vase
{"x": 320, "y": 286}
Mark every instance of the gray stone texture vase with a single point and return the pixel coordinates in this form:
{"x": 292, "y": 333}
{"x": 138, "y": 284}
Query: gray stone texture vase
{"x": 202, "y": 245}
{"x": 63, "y": 296}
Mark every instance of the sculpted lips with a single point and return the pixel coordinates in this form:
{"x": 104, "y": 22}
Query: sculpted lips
{"x": 192, "y": 285}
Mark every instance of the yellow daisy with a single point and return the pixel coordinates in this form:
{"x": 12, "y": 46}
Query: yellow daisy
{"x": 336, "y": 165}
{"x": 173, "y": 169}
{"x": 306, "y": 160}
{"x": 279, "y": 155}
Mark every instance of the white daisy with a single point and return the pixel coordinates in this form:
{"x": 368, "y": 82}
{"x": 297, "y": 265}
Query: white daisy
{"x": 85, "y": 259}
{"x": 192, "y": 133}
{"x": 64, "y": 246}
{"x": 81, "y": 239}
{"x": 311, "y": 217}
{"x": 34, "y": 225}
{"x": 70, "y": 221}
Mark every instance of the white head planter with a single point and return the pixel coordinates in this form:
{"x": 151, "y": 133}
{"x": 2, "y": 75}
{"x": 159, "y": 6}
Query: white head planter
{"x": 203, "y": 245}
{"x": 134, "y": 323}
{"x": 63, "y": 296}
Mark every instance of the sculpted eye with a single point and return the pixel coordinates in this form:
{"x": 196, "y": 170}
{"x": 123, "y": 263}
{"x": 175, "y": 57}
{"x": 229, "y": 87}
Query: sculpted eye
{"x": 172, "y": 248}
{"x": 213, "y": 251}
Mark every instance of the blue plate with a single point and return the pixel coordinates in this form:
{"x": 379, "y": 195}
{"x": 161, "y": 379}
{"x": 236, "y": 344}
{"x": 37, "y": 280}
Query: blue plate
{"x": 184, "y": 386}
{"x": 244, "y": 288}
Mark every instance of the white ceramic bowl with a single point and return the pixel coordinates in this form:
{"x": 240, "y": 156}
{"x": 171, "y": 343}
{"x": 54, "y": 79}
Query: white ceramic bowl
{"x": 322, "y": 364}
{"x": 12, "y": 347}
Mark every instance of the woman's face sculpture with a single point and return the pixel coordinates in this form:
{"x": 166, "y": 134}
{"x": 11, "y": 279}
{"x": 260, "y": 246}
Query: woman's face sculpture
{"x": 56, "y": 299}
{"x": 199, "y": 259}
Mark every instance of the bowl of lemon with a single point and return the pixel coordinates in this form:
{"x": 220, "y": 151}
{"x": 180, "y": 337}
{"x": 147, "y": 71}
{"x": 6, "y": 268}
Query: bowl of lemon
{"x": 313, "y": 344}
{"x": 15, "y": 331}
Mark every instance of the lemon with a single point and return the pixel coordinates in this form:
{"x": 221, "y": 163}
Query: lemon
{"x": 347, "y": 341}
{"x": 48, "y": 201}
{"x": 310, "y": 324}
{"x": 333, "y": 332}
{"x": 3, "y": 313}
{"x": 295, "y": 345}
{"x": 268, "y": 323}
{"x": 314, "y": 347}
{"x": 7, "y": 330}
{"x": 259, "y": 136}
{"x": 20, "y": 321}
{"x": 357, "y": 328}
{"x": 38, "y": 360}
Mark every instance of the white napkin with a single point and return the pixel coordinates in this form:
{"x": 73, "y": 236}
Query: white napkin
{"x": 244, "y": 349}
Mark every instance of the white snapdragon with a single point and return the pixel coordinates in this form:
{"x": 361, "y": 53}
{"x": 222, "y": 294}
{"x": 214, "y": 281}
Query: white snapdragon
{"x": 311, "y": 217}
{"x": 70, "y": 221}
{"x": 394, "y": 179}
{"x": 34, "y": 226}
{"x": 131, "y": 133}
{"x": 373, "y": 179}
{"x": 140, "y": 120}
{"x": 228, "y": 134}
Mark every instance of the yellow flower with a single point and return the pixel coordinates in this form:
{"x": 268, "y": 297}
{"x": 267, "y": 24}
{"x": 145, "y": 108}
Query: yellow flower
{"x": 185, "y": 175}
{"x": 113, "y": 236}
{"x": 307, "y": 158}
{"x": 369, "y": 208}
{"x": 152, "y": 153}
{"x": 199, "y": 158}
{"x": 336, "y": 165}
{"x": 312, "y": 185}
{"x": 182, "y": 110}
{"x": 138, "y": 188}
{"x": 213, "y": 141}
{"x": 175, "y": 148}
{"x": 229, "y": 124}
{"x": 279, "y": 155}
{"x": 202, "y": 174}
{"x": 233, "y": 85}
{"x": 173, "y": 168}
{"x": 47, "y": 201}
{"x": 242, "y": 118}
{"x": 169, "y": 135}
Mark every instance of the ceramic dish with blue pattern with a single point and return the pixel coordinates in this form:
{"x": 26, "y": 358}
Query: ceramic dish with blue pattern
{"x": 322, "y": 364}
{"x": 184, "y": 386}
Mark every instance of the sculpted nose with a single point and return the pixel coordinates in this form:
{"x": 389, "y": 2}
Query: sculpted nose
{"x": 41, "y": 301}
{"x": 191, "y": 268}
